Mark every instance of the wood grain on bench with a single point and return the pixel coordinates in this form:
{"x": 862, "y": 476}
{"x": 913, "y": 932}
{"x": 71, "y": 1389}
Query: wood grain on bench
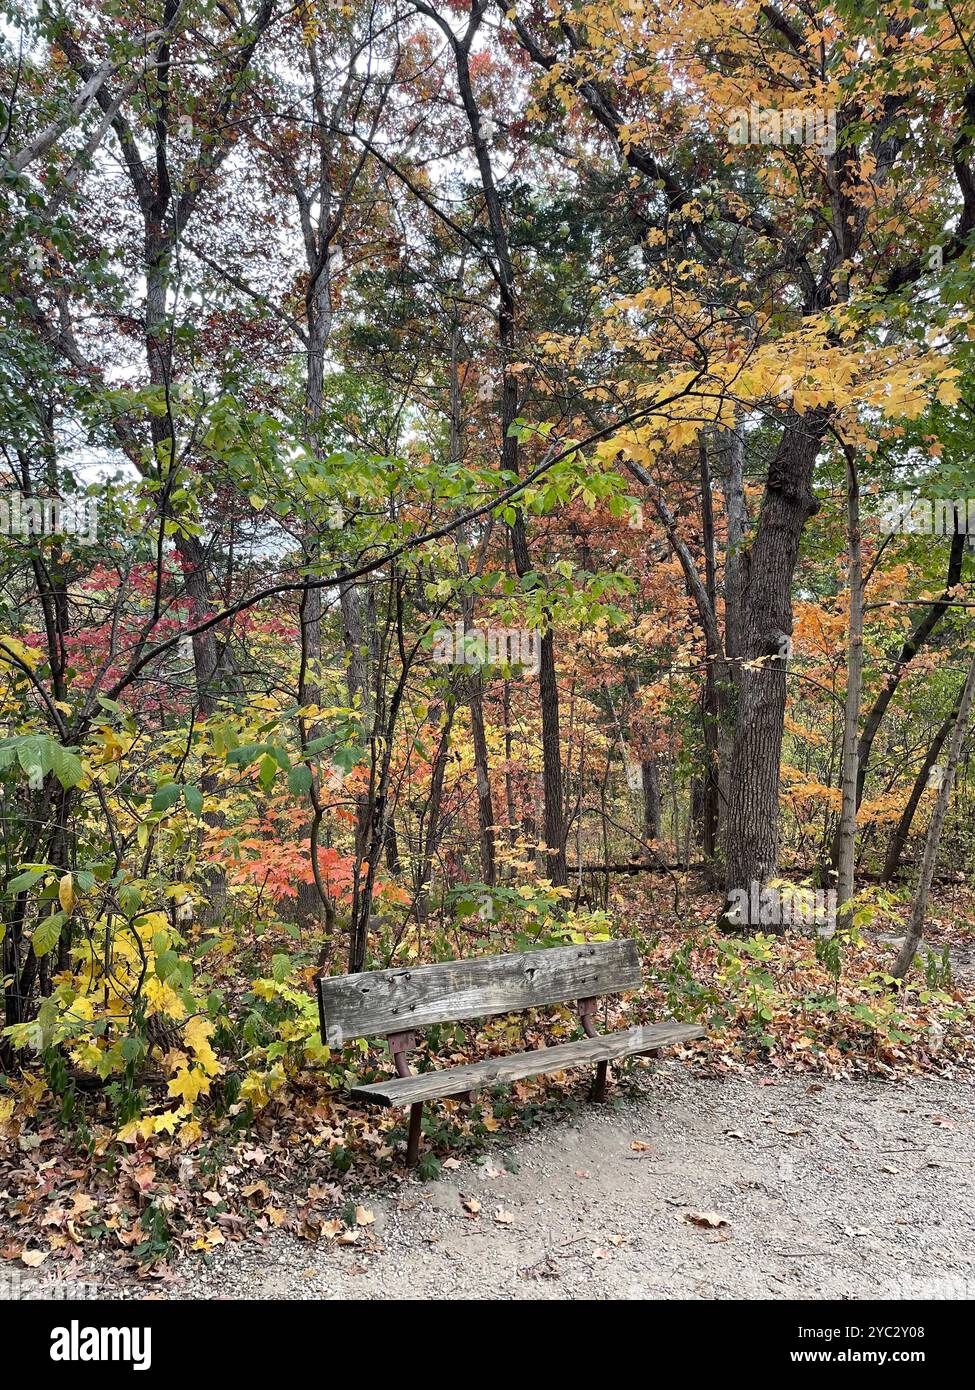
{"x": 475, "y": 1076}
{"x": 379, "y": 1002}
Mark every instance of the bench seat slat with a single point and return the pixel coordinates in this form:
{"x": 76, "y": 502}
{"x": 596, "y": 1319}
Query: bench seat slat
{"x": 475, "y": 1076}
{"x": 377, "y": 1002}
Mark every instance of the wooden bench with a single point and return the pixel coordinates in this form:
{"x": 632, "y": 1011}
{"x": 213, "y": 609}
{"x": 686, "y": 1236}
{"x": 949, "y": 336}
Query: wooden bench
{"x": 396, "y": 1003}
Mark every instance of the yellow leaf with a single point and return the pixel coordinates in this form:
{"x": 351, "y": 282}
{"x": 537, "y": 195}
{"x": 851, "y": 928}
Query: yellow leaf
{"x": 197, "y": 1034}
{"x": 66, "y": 894}
{"x": 189, "y": 1084}
{"x": 22, "y": 656}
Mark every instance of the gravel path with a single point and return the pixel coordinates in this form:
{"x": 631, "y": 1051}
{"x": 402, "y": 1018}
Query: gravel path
{"x": 836, "y": 1190}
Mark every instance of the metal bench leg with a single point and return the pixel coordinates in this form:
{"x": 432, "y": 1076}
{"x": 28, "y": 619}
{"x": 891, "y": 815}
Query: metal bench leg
{"x": 587, "y": 1007}
{"x": 413, "y": 1142}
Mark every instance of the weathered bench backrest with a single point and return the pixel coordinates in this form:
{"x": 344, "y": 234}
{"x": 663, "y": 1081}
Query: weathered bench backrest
{"x": 378, "y": 1002}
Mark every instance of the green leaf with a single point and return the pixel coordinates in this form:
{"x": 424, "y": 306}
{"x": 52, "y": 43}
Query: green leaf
{"x": 280, "y": 967}
{"x": 166, "y": 963}
{"x": 194, "y": 799}
{"x": 66, "y": 766}
{"x": 130, "y": 899}
{"x": 166, "y": 796}
{"x": 22, "y": 882}
{"x": 47, "y": 932}
{"x": 299, "y": 779}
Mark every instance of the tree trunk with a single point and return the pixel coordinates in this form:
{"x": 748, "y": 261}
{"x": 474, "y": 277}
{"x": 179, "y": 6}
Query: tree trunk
{"x": 431, "y": 842}
{"x": 903, "y": 828}
{"x": 485, "y": 803}
{"x": 915, "y": 927}
{"x": 650, "y": 776}
{"x": 854, "y": 687}
{"x": 547, "y": 683}
{"x": 711, "y": 714}
{"x": 753, "y": 810}
{"x": 911, "y": 646}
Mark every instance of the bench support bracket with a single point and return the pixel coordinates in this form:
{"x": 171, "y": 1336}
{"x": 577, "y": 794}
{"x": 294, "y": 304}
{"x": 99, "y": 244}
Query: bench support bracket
{"x": 399, "y": 1045}
{"x": 587, "y": 1008}
{"x": 413, "y": 1139}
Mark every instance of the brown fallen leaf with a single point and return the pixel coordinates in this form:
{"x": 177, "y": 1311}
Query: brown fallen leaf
{"x": 502, "y": 1217}
{"x": 471, "y": 1205}
{"x": 451, "y": 1163}
{"x": 32, "y": 1258}
{"x": 364, "y": 1217}
{"x": 639, "y": 1147}
{"x": 709, "y": 1219}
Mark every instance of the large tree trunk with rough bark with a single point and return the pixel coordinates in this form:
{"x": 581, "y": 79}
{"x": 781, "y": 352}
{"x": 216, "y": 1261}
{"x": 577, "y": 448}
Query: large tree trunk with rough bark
{"x": 753, "y": 809}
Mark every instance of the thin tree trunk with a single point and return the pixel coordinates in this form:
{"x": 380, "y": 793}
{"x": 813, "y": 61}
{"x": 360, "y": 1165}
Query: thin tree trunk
{"x": 548, "y": 685}
{"x": 854, "y": 686}
{"x": 915, "y": 927}
{"x": 485, "y": 803}
{"x": 903, "y": 828}
{"x": 711, "y": 704}
{"x": 509, "y": 781}
{"x": 650, "y": 776}
{"x": 912, "y": 644}
{"x": 431, "y": 841}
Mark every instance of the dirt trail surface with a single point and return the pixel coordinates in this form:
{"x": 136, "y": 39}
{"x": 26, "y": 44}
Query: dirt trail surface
{"x": 836, "y": 1189}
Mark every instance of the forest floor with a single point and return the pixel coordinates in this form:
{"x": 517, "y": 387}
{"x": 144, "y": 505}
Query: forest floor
{"x": 761, "y": 1186}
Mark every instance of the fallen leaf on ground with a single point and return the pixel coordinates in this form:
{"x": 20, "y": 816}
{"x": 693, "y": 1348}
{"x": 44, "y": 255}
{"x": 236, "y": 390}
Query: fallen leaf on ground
{"x": 709, "y": 1219}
